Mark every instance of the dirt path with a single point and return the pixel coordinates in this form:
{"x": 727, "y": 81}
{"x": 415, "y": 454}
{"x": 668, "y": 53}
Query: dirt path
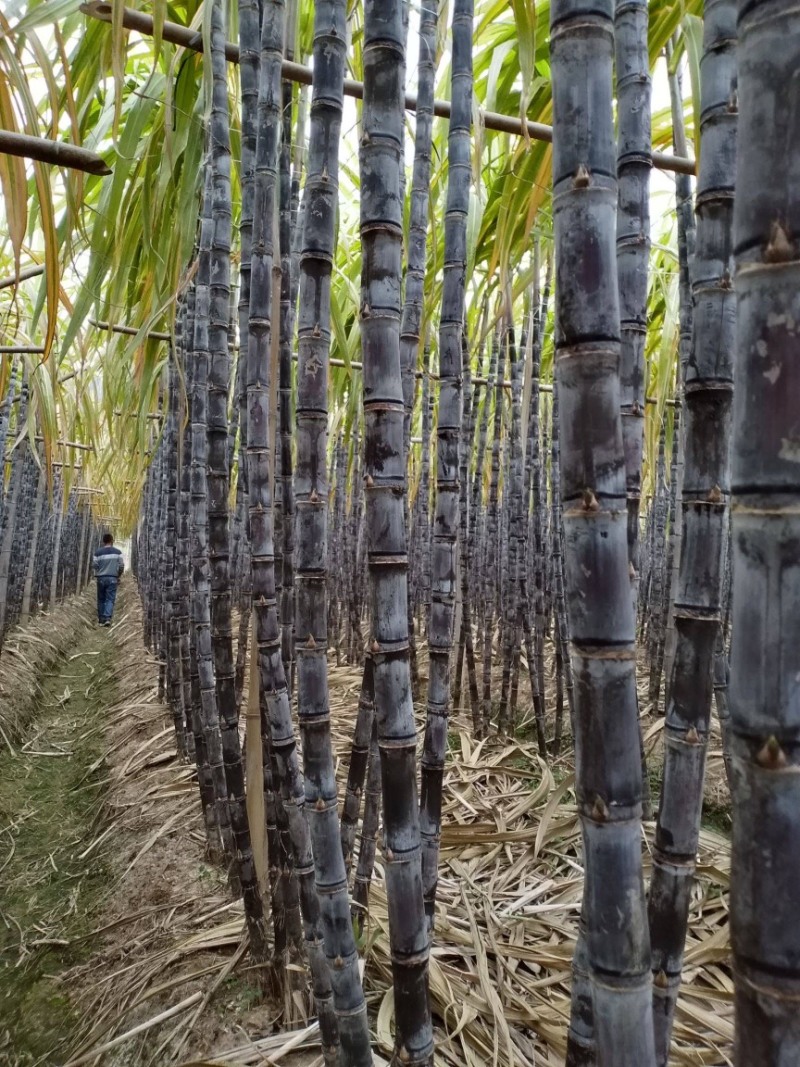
{"x": 52, "y": 867}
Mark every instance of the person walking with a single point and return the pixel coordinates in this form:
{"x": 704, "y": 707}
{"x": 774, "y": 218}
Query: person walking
{"x": 108, "y": 567}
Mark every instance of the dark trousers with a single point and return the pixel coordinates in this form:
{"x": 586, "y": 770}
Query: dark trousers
{"x": 106, "y": 595}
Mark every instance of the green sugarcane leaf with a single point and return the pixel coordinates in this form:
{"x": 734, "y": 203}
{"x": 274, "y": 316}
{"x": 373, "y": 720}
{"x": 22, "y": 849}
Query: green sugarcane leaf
{"x": 692, "y": 27}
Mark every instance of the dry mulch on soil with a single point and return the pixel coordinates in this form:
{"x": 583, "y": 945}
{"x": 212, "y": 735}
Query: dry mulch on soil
{"x": 169, "y": 982}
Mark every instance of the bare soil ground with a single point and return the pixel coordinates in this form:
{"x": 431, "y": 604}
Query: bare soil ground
{"x": 167, "y": 979}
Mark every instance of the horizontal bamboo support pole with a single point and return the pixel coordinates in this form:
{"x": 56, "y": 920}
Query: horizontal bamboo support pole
{"x": 21, "y": 350}
{"x": 544, "y": 387}
{"x": 296, "y": 72}
{"x": 70, "y": 444}
{"x": 57, "y": 153}
{"x": 74, "y": 465}
{"x": 28, "y": 272}
{"x": 134, "y": 415}
{"x": 129, "y": 331}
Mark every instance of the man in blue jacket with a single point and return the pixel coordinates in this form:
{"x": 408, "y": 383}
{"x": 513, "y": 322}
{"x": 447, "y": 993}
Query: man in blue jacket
{"x": 108, "y": 568}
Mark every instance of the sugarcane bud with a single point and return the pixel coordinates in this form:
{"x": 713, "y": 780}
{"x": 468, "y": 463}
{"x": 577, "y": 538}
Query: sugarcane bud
{"x": 725, "y": 281}
{"x": 779, "y": 246}
{"x": 771, "y": 756}
{"x": 631, "y": 570}
{"x": 338, "y": 962}
{"x": 660, "y": 980}
{"x": 389, "y": 855}
{"x": 402, "y": 1054}
{"x": 715, "y": 495}
{"x": 314, "y": 496}
{"x": 733, "y": 101}
{"x": 365, "y": 139}
{"x": 311, "y": 643}
{"x": 316, "y": 332}
{"x": 590, "y": 501}
{"x": 324, "y": 175}
{"x": 583, "y": 177}
{"x": 366, "y": 311}
{"x": 692, "y": 736}
{"x": 374, "y": 647}
{"x": 320, "y": 804}
{"x": 599, "y": 809}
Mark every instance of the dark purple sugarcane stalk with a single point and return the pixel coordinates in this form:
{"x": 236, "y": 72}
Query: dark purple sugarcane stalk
{"x": 244, "y": 875}
{"x": 444, "y": 570}
{"x": 311, "y": 491}
{"x": 513, "y": 505}
{"x": 380, "y": 161}
{"x": 490, "y": 555}
{"x": 277, "y": 727}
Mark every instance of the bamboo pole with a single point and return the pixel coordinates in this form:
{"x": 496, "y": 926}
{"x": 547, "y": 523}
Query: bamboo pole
{"x": 63, "y": 444}
{"x": 56, "y": 153}
{"x": 130, "y": 331}
{"x": 28, "y": 272}
{"x": 70, "y": 444}
{"x": 355, "y": 364}
{"x": 135, "y": 415}
{"x": 296, "y": 72}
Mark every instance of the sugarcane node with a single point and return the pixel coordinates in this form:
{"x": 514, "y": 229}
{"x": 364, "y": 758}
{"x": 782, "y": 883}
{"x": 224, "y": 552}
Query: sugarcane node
{"x": 590, "y": 501}
{"x": 599, "y": 809}
{"x": 660, "y": 980}
{"x": 771, "y": 756}
{"x": 779, "y": 248}
{"x": 714, "y": 495}
{"x": 692, "y": 737}
{"x": 583, "y": 177}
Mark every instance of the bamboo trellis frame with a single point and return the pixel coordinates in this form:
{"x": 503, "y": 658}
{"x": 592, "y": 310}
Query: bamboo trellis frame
{"x": 56, "y": 153}
{"x": 129, "y": 331}
{"x": 34, "y": 271}
{"x": 296, "y": 72}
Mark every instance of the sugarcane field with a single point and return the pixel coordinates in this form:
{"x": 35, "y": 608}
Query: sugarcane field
{"x": 400, "y": 533}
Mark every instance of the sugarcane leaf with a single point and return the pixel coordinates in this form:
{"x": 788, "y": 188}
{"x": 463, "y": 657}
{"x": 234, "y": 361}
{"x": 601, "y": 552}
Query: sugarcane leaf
{"x": 692, "y": 28}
